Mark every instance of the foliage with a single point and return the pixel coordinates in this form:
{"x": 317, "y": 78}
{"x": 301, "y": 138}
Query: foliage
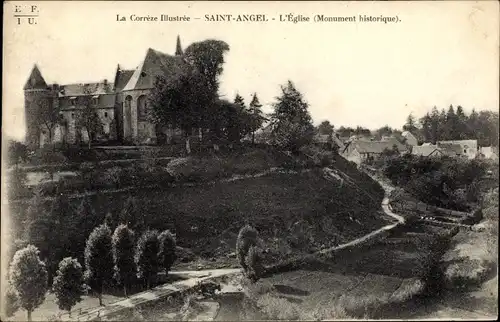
{"x": 11, "y": 301}
{"x": 325, "y": 128}
{"x": 444, "y": 182}
{"x": 17, "y": 151}
{"x": 122, "y": 243}
{"x": 228, "y": 122}
{"x": 45, "y": 114}
{"x": 28, "y": 276}
{"x": 256, "y": 116}
{"x": 68, "y": 284}
{"x": 247, "y": 237}
{"x": 131, "y": 214}
{"x": 88, "y": 119}
{"x": 208, "y": 57}
{"x": 99, "y": 259}
{"x": 253, "y": 263}
{"x": 456, "y": 125}
{"x": 167, "y": 252}
{"x": 146, "y": 256}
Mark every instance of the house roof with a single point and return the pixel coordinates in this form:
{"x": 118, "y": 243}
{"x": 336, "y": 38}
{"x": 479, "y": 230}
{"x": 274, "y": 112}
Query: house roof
{"x": 426, "y": 150}
{"x": 154, "y": 64}
{"x": 377, "y": 147}
{"x": 450, "y": 149}
{"x": 407, "y": 133}
{"x": 122, "y": 78}
{"x": 35, "y": 81}
{"x": 99, "y": 88}
{"x": 469, "y": 143}
{"x": 108, "y": 100}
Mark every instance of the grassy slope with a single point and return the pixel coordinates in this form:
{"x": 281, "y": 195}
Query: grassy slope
{"x": 207, "y": 218}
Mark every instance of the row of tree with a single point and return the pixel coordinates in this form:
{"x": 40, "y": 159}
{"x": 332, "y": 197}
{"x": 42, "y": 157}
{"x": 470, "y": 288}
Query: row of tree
{"x": 436, "y": 125}
{"x": 107, "y": 256}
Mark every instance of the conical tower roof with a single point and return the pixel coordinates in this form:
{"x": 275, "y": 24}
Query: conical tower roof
{"x": 35, "y": 81}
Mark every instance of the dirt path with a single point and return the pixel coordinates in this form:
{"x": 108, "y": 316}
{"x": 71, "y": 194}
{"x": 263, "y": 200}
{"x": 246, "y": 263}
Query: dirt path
{"x": 157, "y": 293}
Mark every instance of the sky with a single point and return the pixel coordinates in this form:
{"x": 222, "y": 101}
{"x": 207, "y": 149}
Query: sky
{"x": 367, "y": 74}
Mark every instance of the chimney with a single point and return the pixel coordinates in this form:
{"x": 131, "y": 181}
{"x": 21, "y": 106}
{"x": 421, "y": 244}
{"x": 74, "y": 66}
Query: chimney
{"x": 105, "y": 82}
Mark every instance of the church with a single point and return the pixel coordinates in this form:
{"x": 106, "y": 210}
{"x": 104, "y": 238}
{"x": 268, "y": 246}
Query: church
{"x": 51, "y": 109}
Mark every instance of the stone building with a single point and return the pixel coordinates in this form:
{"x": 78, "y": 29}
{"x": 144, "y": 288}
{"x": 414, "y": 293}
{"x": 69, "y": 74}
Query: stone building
{"x": 51, "y": 110}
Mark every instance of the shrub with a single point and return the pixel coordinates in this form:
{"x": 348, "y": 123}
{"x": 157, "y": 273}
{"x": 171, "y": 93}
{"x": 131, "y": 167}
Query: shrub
{"x": 146, "y": 256}
{"x": 122, "y": 243}
{"x": 247, "y": 237}
{"x": 98, "y": 259}
{"x": 167, "y": 252}
{"x": 28, "y": 276}
{"x": 68, "y": 284}
{"x": 254, "y": 264}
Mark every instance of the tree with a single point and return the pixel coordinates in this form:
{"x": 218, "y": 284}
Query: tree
{"x": 384, "y": 131}
{"x": 68, "y": 285}
{"x": 291, "y": 121}
{"x": 146, "y": 256}
{"x": 166, "y": 254}
{"x": 207, "y": 57}
{"x": 131, "y": 215}
{"x": 28, "y": 276}
{"x": 181, "y": 101}
{"x": 240, "y": 102}
{"x": 325, "y": 128}
{"x": 45, "y": 114}
{"x": 123, "y": 255}
{"x": 18, "y": 152}
{"x": 98, "y": 259}
{"x": 88, "y": 119}
{"x": 452, "y": 127}
{"x": 256, "y": 116}
{"x": 461, "y": 123}
{"x": 411, "y": 124}
{"x": 253, "y": 263}
{"x": 247, "y": 237}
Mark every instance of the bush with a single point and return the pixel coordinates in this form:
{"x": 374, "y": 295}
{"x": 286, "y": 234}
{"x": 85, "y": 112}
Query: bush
{"x": 254, "y": 264}
{"x": 122, "y": 243}
{"x": 68, "y": 284}
{"x": 28, "y": 276}
{"x": 146, "y": 256}
{"x": 167, "y": 253}
{"x": 99, "y": 259}
{"x": 247, "y": 237}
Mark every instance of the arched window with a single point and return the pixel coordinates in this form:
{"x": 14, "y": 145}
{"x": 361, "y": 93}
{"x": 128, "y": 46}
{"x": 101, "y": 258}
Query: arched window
{"x": 142, "y": 106}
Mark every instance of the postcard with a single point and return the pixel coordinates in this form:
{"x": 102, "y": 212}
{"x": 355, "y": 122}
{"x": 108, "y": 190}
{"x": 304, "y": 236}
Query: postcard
{"x": 244, "y": 160}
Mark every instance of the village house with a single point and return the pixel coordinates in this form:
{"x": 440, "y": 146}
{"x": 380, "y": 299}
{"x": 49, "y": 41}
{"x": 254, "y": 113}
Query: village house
{"x": 459, "y": 148}
{"x": 122, "y": 105}
{"x": 329, "y": 141}
{"x": 488, "y": 152}
{"x": 428, "y": 150}
{"x": 411, "y": 140}
{"x": 360, "y": 151}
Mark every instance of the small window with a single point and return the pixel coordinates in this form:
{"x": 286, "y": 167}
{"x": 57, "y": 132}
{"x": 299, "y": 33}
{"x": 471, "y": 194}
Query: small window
{"x": 94, "y": 101}
{"x": 105, "y": 114}
{"x": 72, "y": 115}
{"x": 465, "y": 150}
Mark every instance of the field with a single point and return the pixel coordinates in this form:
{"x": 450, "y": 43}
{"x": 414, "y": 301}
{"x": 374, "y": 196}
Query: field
{"x": 354, "y": 283}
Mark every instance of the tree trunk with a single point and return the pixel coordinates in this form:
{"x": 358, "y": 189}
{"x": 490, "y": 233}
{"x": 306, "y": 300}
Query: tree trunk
{"x": 90, "y": 140}
{"x": 188, "y": 145}
{"x": 29, "y": 315}
{"x": 69, "y": 312}
{"x": 253, "y": 138}
{"x": 125, "y": 290}
{"x": 100, "y": 299}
